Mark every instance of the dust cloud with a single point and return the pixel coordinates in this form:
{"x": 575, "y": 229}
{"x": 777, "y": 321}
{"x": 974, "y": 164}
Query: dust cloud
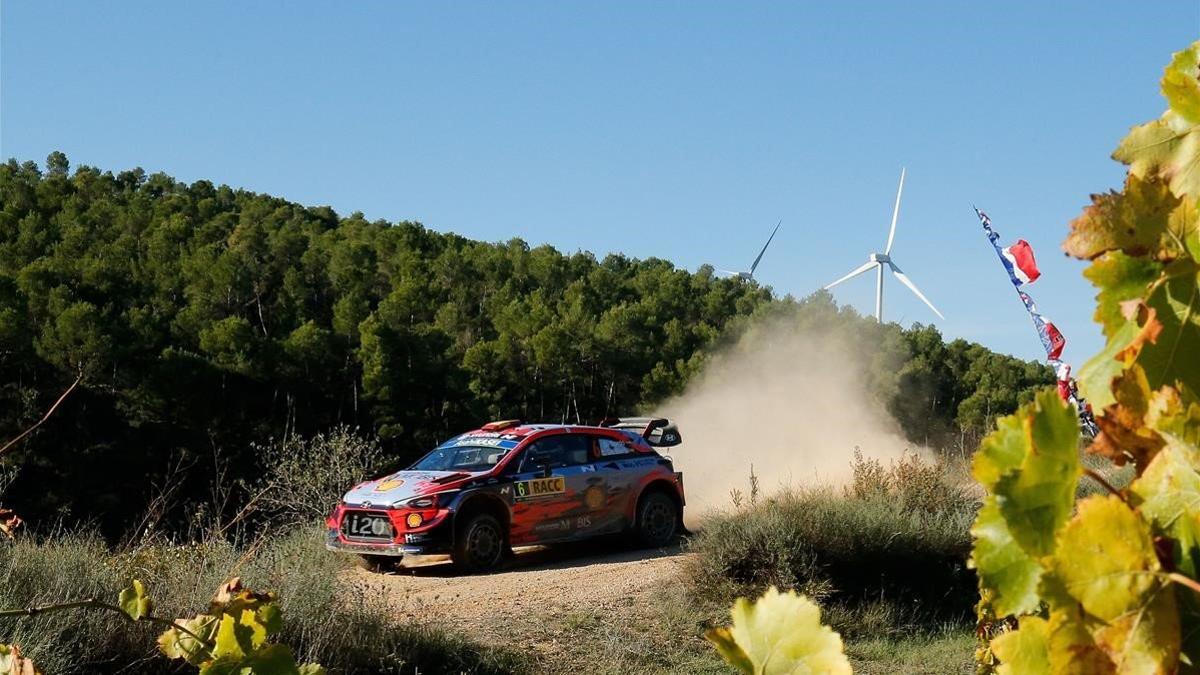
{"x": 793, "y": 404}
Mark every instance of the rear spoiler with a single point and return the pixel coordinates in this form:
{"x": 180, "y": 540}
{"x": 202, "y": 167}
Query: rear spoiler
{"x": 658, "y": 431}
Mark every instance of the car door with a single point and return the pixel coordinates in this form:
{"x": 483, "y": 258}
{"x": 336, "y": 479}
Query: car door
{"x": 548, "y": 490}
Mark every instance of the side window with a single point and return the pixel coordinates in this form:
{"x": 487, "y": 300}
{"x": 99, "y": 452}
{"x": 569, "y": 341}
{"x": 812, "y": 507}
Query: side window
{"x": 612, "y": 448}
{"x": 557, "y": 452}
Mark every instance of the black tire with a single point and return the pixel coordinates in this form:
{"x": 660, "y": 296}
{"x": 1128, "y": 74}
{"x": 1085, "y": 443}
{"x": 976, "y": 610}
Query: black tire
{"x": 479, "y": 544}
{"x": 657, "y": 520}
{"x": 380, "y": 563}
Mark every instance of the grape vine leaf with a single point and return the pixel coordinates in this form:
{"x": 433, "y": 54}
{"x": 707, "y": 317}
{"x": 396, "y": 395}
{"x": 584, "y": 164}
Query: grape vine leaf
{"x": 777, "y": 634}
{"x": 1123, "y": 348}
{"x": 1123, "y": 434}
{"x": 1172, "y": 358}
{"x": 1073, "y": 650}
{"x": 1169, "y": 147}
{"x": 1133, "y": 221}
{"x": 1120, "y": 278}
{"x": 1106, "y": 563}
{"x": 1002, "y": 565}
{"x": 1175, "y": 414}
{"x": 1168, "y": 495}
{"x": 1026, "y": 650}
{"x": 1035, "y": 499}
{"x": 179, "y": 644}
{"x": 12, "y": 663}
{"x": 1001, "y": 451}
{"x": 134, "y": 601}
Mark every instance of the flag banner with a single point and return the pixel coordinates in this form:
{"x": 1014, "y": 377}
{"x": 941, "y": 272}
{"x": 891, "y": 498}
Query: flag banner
{"x": 1018, "y": 258}
{"x": 1022, "y": 269}
{"x": 1052, "y": 338}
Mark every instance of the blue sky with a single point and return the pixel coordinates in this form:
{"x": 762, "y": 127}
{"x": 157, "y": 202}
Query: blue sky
{"x": 677, "y": 130}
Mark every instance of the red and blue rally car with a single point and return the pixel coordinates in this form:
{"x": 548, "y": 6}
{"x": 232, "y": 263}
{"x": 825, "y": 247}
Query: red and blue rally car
{"x": 511, "y": 484}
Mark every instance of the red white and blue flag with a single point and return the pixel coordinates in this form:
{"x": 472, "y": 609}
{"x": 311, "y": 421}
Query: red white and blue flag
{"x": 1022, "y": 269}
{"x": 1018, "y": 259}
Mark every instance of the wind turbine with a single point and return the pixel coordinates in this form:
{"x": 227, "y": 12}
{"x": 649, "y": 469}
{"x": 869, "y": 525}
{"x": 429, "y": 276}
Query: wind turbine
{"x": 879, "y": 260}
{"x": 754, "y": 265}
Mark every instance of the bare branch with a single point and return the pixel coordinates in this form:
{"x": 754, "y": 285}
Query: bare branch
{"x": 44, "y": 417}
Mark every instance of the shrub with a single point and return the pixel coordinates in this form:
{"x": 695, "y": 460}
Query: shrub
{"x": 304, "y": 477}
{"x": 881, "y": 563}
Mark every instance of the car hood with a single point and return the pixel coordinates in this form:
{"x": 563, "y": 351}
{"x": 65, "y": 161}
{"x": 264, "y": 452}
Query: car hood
{"x": 401, "y": 485}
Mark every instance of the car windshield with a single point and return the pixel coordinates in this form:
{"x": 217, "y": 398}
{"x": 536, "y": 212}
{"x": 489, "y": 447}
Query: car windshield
{"x": 454, "y": 457}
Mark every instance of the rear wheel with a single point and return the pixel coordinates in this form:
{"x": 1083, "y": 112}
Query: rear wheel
{"x": 657, "y": 520}
{"x": 479, "y": 545}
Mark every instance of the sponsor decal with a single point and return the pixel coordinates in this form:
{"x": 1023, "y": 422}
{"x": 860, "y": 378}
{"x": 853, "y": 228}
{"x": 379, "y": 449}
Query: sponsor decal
{"x": 587, "y": 468}
{"x": 583, "y": 521}
{"x": 540, "y": 487}
{"x": 553, "y": 525}
{"x": 388, "y": 484}
{"x": 633, "y": 463}
{"x": 593, "y": 497}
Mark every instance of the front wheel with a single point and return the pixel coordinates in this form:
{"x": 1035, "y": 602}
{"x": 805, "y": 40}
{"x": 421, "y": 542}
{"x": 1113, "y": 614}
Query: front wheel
{"x": 657, "y": 520}
{"x": 479, "y": 545}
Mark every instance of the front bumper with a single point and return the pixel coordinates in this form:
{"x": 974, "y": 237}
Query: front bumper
{"x": 417, "y": 543}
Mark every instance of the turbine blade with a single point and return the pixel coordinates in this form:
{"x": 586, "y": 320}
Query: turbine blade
{"x": 729, "y": 272}
{"x": 754, "y": 265}
{"x": 913, "y": 287}
{"x": 895, "y": 214}
{"x": 857, "y": 271}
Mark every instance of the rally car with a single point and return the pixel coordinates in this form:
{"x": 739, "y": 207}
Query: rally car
{"x": 512, "y": 484}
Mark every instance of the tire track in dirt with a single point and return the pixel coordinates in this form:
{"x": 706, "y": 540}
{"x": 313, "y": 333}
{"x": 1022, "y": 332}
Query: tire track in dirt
{"x": 534, "y": 601}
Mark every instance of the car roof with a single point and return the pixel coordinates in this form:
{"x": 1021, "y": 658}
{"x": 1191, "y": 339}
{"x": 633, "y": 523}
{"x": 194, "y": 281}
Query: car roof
{"x": 523, "y": 430}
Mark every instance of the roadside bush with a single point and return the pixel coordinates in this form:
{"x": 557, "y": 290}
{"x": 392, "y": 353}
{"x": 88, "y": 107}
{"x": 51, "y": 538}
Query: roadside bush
{"x": 885, "y": 557}
{"x": 304, "y": 477}
{"x": 325, "y": 620}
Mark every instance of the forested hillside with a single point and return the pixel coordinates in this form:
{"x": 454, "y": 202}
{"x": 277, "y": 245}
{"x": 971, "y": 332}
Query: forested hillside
{"x": 204, "y": 319}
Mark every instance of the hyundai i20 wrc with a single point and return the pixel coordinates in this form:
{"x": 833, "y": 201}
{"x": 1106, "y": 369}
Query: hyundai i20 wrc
{"x": 509, "y": 484}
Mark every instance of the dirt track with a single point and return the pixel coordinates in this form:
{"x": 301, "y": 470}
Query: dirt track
{"x": 533, "y": 602}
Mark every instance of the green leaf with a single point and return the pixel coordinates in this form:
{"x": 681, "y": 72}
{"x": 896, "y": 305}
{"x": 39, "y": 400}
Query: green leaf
{"x": 1097, "y": 375}
{"x": 134, "y": 602}
{"x": 1167, "y": 148}
{"x": 1106, "y": 563}
{"x": 1120, "y": 278}
{"x": 1181, "y": 86}
{"x": 176, "y": 644}
{"x": 1001, "y": 451}
{"x": 1035, "y": 499}
{"x": 779, "y": 633}
{"x": 1026, "y": 650}
{"x": 1003, "y": 566}
{"x": 233, "y": 640}
{"x": 1173, "y": 358}
{"x": 1168, "y": 495}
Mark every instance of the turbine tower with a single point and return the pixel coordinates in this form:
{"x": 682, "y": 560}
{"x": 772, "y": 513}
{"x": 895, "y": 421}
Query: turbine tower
{"x": 754, "y": 265}
{"x": 878, "y": 261}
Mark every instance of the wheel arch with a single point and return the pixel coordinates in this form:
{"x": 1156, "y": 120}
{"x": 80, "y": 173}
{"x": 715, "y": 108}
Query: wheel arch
{"x": 473, "y": 505}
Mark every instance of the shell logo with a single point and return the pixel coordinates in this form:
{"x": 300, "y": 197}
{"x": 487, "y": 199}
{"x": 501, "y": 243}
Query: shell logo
{"x": 593, "y": 497}
{"x": 388, "y": 484}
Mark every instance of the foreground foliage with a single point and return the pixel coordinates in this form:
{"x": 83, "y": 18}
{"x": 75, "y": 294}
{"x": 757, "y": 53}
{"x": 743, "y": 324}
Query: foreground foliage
{"x": 348, "y": 630}
{"x": 1108, "y": 584}
{"x": 780, "y": 633}
{"x": 233, "y": 637}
